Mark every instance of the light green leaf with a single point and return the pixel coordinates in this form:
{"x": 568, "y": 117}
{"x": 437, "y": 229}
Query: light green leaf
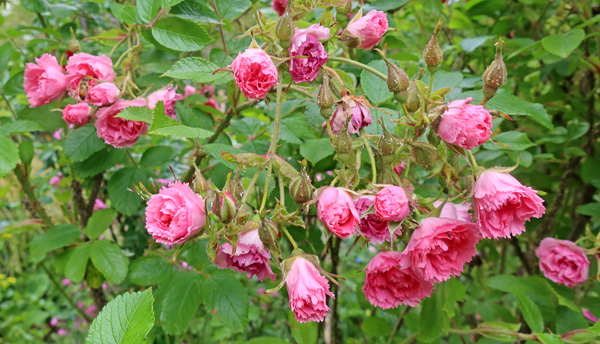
{"x": 376, "y": 326}
{"x": 147, "y": 9}
{"x": 315, "y": 150}
{"x": 303, "y": 333}
{"x": 19, "y": 127}
{"x": 563, "y": 45}
{"x": 229, "y": 9}
{"x": 531, "y": 312}
{"x": 215, "y": 150}
{"x": 167, "y": 126}
{"x": 148, "y": 270}
{"x": 246, "y": 126}
{"x": 52, "y": 239}
{"x": 267, "y": 340}
{"x": 123, "y": 200}
{"x": 431, "y": 319}
{"x": 177, "y": 301}
{"x": 548, "y": 338}
{"x": 472, "y": 43}
{"x": 223, "y": 293}
{"x": 127, "y": 319}
{"x": 99, "y": 222}
{"x": 77, "y": 263}
{"x": 450, "y": 292}
{"x": 194, "y": 68}
{"x": 590, "y": 209}
{"x": 157, "y": 156}
{"x": 375, "y": 87}
{"x": 195, "y": 10}
{"x": 82, "y": 142}
{"x": 109, "y": 260}
{"x": 386, "y": 5}
{"x": 488, "y": 327}
{"x": 180, "y": 34}
{"x": 136, "y": 113}
{"x": 9, "y": 155}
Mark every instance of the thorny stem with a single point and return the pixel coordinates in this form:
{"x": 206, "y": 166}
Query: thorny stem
{"x": 359, "y": 65}
{"x": 371, "y": 156}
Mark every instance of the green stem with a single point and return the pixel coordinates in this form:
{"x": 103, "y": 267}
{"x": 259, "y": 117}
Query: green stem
{"x": 275, "y": 137}
{"x": 266, "y": 191}
{"x": 371, "y": 156}
{"x": 359, "y": 65}
{"x": 28, "y": 190}
{"x": 64, "y": 293}
{"x": 431, "y": 76}
{"x": 250, "y": 186}
{"x": 281, "y": 189}
{"x": 472, "y": 158}
{"x": 287, "y": 234}
{"x": 214, "y": 6}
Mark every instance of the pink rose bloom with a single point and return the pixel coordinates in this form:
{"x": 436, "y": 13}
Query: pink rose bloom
{"x": 84, "y": 65}
{"x": 103, "y": 94}
{"x": 254, "y": 73}
{"x": 440, "y": 248}
{"x": 279, "y": 6}
{"x": 588, "y": 315}
{"x": 337, "y": 212}
{"x": 175, "y": 214}
{"x": 66, "y": 282}
{"x": 119, "y": 132}
{"x": 465, "y": 125}
{"x": 502, "y": 205}
{"x": 163, "y": 181}
{"x": 62, "y": 332}
{"x": 166, "y": 95}
{"x": 358, "y": 113}
{"x": 56, "y": 179}
{"x": 374, "y": 229}
{"x": 369, "y": 29}
{"x": 307, "y": 291}
{"x": 391, "y": 204}
{"x": 400, "y": 168}
{"x": 189, "y": 90}
{"x": 45, "y": 81}
{"x": 212, "y": 103}
{"x": 77, "y": 114}
{"x": 53, "y": 322}
{"x": 57, "y": 135}
{"x": 250, "y": 257}
{"x": 305, "y": 42}
{"x": 563, "y": 262}
{"x": 455, "y": 211}
{"x": 210, "y": 89}
{"x": 99, "y": 204}
{"x": 388, "y": 285}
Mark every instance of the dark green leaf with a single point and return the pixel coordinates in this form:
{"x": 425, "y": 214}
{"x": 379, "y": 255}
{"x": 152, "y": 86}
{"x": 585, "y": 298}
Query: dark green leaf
{"x": 99, "y": 222}
{"x": 195, "y": 10}
{"x": 516, "y": 140}
{"x": 52, "y": 239}
{"x": 125, "y": 201}
{"x": 82, "y": 142}
{"x": 246, "y": 126}
{"x": 48, "y": 120}
{"x": 223, "y": 293}
{"x": 590, "y": 209}
{"x": 109, "y": 260}
{"x": 315, "y": 150}
{"x": 147, "y": 9}
{"x": 303, "y": 333}
{"x": 194, "y": 68}
{"x": 431, "y": 319}
{"x": 136, "y": 113}
{"x": 157, "y": 156}
{"x": 9, "y": 155}
{"x": 376, "y": 326}
{"x": 18, "y": 127}
{"x": 531, "y": 312}
{"x": 180, "y": 34}
{"x": 167, "y": 126}
{"x": 100, "y": 162}
{"x": 77, "y": 263}
{"x": 149, "y": 270}
{"x": 375, "y": 87}
{"x": 229, "y": 9}
{"x": 177, "y": 301}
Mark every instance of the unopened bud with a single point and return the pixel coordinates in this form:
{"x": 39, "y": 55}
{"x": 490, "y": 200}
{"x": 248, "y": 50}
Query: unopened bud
{"x": 301, "y": 188}
{"x": 344, "y": 7}
{"x": 325, "y": 99}
{"x": 224, "y": 206}
{"x": 388, "y": 144}
{"x": 199, "y": 183}
{"x": 268, "y": 234}
{"x": 424, "y": 153}
{"x": 74, "y": 46}
{"x": 495, "y": 74}
{"x": 350, "y": 40}
{"x": 234, "y": 187}
{"x": 342, "y": 143}
{"x": 432, "y": 54}
{"x": 413, "y": 101}
{"x": 285, "y": 27}
{"x": 397, "y": 80}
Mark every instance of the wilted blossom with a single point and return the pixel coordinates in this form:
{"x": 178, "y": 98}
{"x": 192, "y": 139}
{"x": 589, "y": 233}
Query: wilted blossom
{"x": 440, "y": 248}
{"x": 455, "y": 211}
{"x": 305, "y": 42}
{"x": 337, "y": 212}
{"x": 465, "y": 125}
{"x": 307, "y": 290}
{"x": 189, "y": 90}
{"x": 279, "y": 6}
{"x": 250, "y": 256}
{"x": 175, "y": 214}
{"x": 99, "y": 204}
{"x": 77, "y": 114}
{"x": 391, "y": 204}
{"x": 168, "y": 96}
{"x": 254, "y": 73}
{"x": 398, "y": 169}
{"x": 369, "y": 29}
{"x": 502, "y": 205}
{"x": 371, "y": 226}
{"x": 356, "y": 114}
{"x": 119, "y": 132}
{"x": 93, "y": 68}
{"x": 563, "y": 262}
{"x": 45, "y": 81}
{"x": 388, "y": 284}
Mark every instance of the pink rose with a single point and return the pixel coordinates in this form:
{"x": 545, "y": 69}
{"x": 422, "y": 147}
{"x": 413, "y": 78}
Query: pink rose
{"x": 57, "y": 135}
{"x": 189, "y": 90}
{"x": 358, "y": 113}
{"x": 465, "y": 125}
{"x": 305, "y": 42}
{"x": 250, "y": 257}
{"x": 99, "y": 204}
{"x": 391, "y": 204}
{"x": 45, "y": 81}
{"x": 307, "y": 291}
{"x": 77, "y": 114}
{"x": 166, "y": 95}
{"x": 254, "y": 73}
{"x": 563, "y": 262}
{"x": 53, "y": 322}
{"x": 175, "y": 214}
{"x": 54, "y": 181}
{"x": 374, "y": 229}
{"x": 279, "y": 6}
{"x": 103, "y": 94}
{"x": 369, "y": 29}
{"x": 400, "y": 168}
{"x": 62, "y": 332}
{"x": 455, "y": 211}
{"x": 440, "y": 248}
{"x": 388, "y": 284}
{"x": 502, "y": 205}
{"x": 212, "y": 103}
{"x": 337, "y": 212}
{"x": 589, "y": 315}
{"x": 84, "y": 65}
{"x": 119, "y": 132}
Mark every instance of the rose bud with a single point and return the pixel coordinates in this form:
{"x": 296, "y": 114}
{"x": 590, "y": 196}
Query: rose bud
{"x": 502, "y": 205}
{"x": 455, "y": 211}
{"x": 199, "y": 183}
{"x": 343, "y": 7}
{"x": 307, "y": 290}
{"x": 374, "y": 229}
{"x": 284, "y": 29}
{"x": 495, "y": 74}
{"x": 301, "y": 189}
{"x": 103, "y": 94}
{"x": 325, "y": 99}
{"x": 432, "y": 54}
{"x": 398, "y": 169}
{"x": 168, "y": 96}
{"x": 342, "y": 142}
{"x": 175, "y": 214}
{"x": 388, "y": 145}
{"x": 189, "y": 90}
{"x": 397, "y": 78}
{"x": 85, "y": 70}
{"x": 279, "y": 6}
{"x": 388, "y": 284}
{"x": 440, "y": 248}
{"x": 305, "y": 42}
{"x": 250, "y": 256}
{"x": 337, "y": 212}
{"x": 254, "y": 72}
{"x": 369, "y": 29}
{"x": 391, "y": 204}
{"x": 45, "y": 81}
{"x": 413, "y": 101}
{"x": 563, "y": 262}
{"x": 77, "y": 114}
{"x": 235, "y": 187}
{"x": 465, "y": 125}
{"x": 224, "y": 206}
{"x": 269, "y": 233}
{"x": 119, "y": 132}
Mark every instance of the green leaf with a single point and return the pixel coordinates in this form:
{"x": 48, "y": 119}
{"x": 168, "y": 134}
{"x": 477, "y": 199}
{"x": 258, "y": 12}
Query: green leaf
{"x": 157, "y": 156}
{"x": 9, "y": 155}
{"x": 126, "y": 14}
{"x": 246, "y": 126}
{"x": 515, "y": 140}
{"x": 109, "y": 260}
{"x": 136, "y": 113}
{"x": 472, "y": 43}
{"x": 77, "y": 263}
{"x": 99, "y": 222}
{"x": 563, "y": 45}
{"x": 52, "y": 239}
{"x": 167, "y": 126}
{"x": 223, "y": 293}
{"x": 493, "y": 325}
{"x": 386, "y": 5}
{"x": 48, "y": 120}
{"x": 125, "y": 201}
{"x": 127, "y": 319}
{"x": 315, "y": 150}
{"x": 194, "y": 68}
{"x": 431, "y": 319}
{"x": 195, "y": 10}
{"x": 180, "y": 34}
{"x": 229, "y": 9}
{"x": 303, "y": 333}
{"x": 531, "y": 312}
{"x": 375, "y": 87}
{"x": 177, "y": 301}
{"x": 548, "y": 338}
{"x": 450, "y": 293}
{"x": 376, "y": 326}
{"x": 590, "y": 209}
{"x": 149, "y": 270}
{"x": 26, "y": 151}
{"x": 147, "y": 9}
{"x": 100, "y": 162}
{"x": 82, "y": 142}
{"x": 215, "y": 150}
{"x": 267, "y": 340}
{"x": 19, "y": 127}
{"x": 6, "y": 51}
